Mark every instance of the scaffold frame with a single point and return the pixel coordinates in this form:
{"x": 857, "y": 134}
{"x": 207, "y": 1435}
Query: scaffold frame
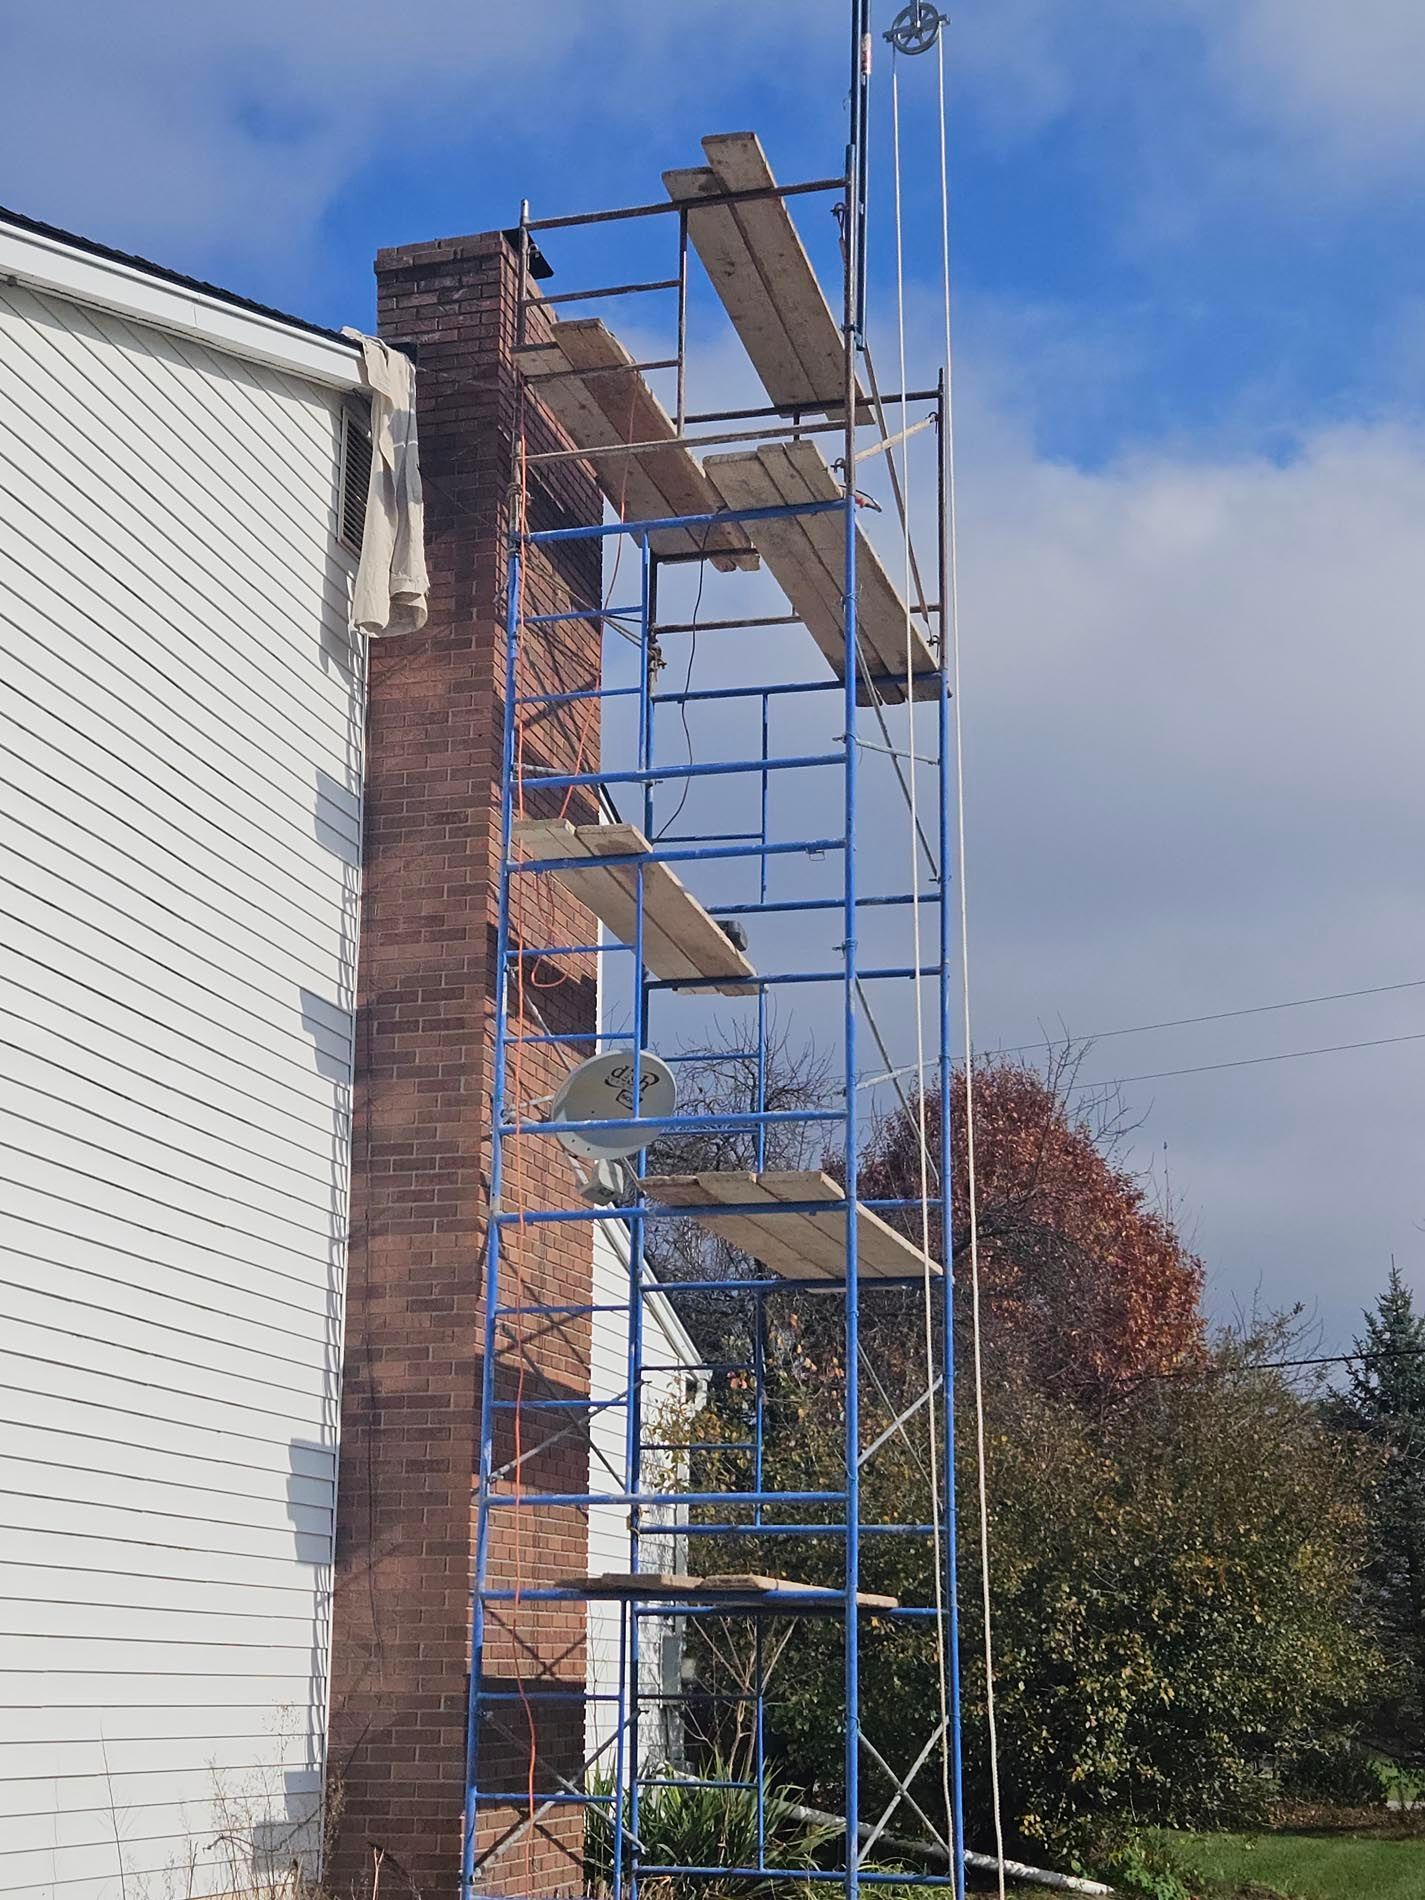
{"x": 761, "y": 1206}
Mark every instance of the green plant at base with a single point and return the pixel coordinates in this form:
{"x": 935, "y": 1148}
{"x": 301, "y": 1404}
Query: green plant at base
{"x": 686, "y": 1824}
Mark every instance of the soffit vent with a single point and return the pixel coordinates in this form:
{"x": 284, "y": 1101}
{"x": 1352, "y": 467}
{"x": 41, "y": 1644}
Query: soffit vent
{"x": 355, "y": 480}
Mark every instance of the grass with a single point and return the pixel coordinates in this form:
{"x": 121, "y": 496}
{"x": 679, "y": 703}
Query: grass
{"x": 1373, "y": 1862}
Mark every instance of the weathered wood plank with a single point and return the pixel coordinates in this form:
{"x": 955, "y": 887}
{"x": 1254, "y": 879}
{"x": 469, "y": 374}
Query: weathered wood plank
{"x": 682, "y": 943}
{"x": 798, "y": 1246}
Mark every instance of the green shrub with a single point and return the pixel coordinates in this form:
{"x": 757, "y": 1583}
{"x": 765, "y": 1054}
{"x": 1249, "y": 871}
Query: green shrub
{"x": 685, "y": 1824}
{"x": 1337, "y": 1772}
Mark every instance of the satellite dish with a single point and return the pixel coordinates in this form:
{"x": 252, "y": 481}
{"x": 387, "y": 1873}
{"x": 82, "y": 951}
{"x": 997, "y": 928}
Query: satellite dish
{"x": 601, "y": 1089}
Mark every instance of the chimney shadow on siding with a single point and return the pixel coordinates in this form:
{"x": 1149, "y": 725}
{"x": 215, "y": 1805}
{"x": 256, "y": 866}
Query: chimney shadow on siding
{"x": 275, "y": 1843}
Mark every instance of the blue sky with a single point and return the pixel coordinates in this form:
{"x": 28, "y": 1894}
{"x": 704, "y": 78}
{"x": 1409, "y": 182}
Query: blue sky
{"x": 1191, "y": 290}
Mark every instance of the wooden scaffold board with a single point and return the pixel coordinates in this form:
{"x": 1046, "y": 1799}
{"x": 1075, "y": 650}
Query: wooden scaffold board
{"x": 760, "y": 269}
{"x": 798, "y": 1246}
{"x": 806, "y": 555}
{"x": 681, "y": 942}
{"x": 587, "y": 380}
{"x": 739, "y": 1592}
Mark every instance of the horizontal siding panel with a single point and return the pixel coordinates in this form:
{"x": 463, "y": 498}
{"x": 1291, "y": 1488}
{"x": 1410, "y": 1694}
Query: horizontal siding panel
{"x": 190, "y": 742}
{"x": 266, "y": 959}
{"x": 114, "y": 1123}
{"x": 155, "y": 637}
{"x": 219, "y": 1198}
{"x": 55, "y": 1485}
{"x": 183, "y": 812}
{"x": 122, "y": 1566}
{"x": 243, "y": 555}
{"x": 133, "y": 1802}
{"x": 171, "y": 858}
{"x": 255, "y": 429}
{"x": 125, "y": 1683}
{"x": 221, "y": 1202}
{"x": 108, "y": 1755}
{"x": 120, "y": 1623}
{"x": 123, "y": 1386}
{"x": 28, "y": 1182}
{"x": 127, "y": 1080}
{"x": 63, "y": 408}
{"x": 157, "y": 1521}
{"x": 301, "y": 1404}
{"x": 213, "y": 1595}
{"x": 219, "y": 1662}
{"x": 44, "y": 1445}
{"x": 162, "y": 1724}
{"x": 132, "y": 1047}
{"x": 254, "y": 1032}
{"x": 140, "y": 1285}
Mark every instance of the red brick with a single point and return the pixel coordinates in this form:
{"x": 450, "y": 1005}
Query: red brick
{"x": 414, "y": 1319}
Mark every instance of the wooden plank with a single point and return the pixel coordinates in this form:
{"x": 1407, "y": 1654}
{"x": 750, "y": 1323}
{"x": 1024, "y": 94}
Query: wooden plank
{"x": 735, "y": 1589}
{"x": 759, "y": 268}
{"x": 805, "y": 555}
{"x": 799, "y": 1246}
{"x": 721, "y": 244}
{"x": 744, "y": 481}
{"x": 775, "y": 1241}
{"x": 788, "y": 1244}
{"x": 611, "y": 897}
{"x": 610, "y": 405}
{"x": 740, "y": 164}
{"x": 675, "y": 914}
{"x": 682, "y": 943}
{"x": 882, "y": 620}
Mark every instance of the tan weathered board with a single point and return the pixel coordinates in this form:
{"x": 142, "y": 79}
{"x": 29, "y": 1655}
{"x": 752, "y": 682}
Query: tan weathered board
{"x": 759, "y": 267}
{"x": 798, "y": 1246}
{"x": 587, "y": 380}
{"x": 735, "y": 1591}
{"x": 806, "y": 553}
{"x": 681, "y": 942}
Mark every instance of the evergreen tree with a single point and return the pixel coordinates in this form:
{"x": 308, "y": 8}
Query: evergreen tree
{"x": 1386, "y": 1404}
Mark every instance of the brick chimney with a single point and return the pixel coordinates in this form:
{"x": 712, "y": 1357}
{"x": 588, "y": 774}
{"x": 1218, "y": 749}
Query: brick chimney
{"x": 421, "y": 1151}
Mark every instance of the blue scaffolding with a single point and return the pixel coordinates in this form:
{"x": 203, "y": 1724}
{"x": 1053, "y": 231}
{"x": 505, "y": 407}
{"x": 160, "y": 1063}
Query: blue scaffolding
{"x": 648, "y": 880}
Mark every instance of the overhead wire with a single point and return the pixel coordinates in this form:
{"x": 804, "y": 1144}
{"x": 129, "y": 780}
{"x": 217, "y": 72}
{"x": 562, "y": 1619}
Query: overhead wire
{"x": 1174, "y": 1022}
{"x": 1251, "y": 1062}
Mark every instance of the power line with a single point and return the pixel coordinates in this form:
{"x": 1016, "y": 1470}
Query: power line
{"x": 1217, "y": 1016}
{"x": 1366, "y": 1358}
{"x": 1249, "y": 1062}
{"x": 1179, "y": 1022}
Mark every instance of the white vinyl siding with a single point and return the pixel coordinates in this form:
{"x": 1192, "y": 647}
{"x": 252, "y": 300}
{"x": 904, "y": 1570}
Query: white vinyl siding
{"x": 180, "y": 784}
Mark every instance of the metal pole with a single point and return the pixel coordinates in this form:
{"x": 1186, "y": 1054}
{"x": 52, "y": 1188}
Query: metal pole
{"x": 855, "y": 176}
{"x": 682, "y": 319}
{"x": 492, "y": 1244}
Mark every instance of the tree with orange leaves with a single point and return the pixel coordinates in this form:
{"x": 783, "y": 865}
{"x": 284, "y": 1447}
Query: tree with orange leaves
{"x": 1086, "y": 1289}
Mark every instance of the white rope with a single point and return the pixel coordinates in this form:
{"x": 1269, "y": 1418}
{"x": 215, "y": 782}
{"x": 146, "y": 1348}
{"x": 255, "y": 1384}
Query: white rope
{"x": 928, "y": 1308}
{"x": 971, "y": 1187}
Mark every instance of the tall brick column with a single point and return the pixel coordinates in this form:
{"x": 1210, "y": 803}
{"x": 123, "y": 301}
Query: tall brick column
{"x": 421, "y": 1152}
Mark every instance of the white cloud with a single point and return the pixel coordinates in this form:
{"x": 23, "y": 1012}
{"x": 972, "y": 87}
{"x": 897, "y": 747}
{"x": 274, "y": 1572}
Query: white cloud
{"x": 170, "y": 123}
{"x": 1345, "y": 84}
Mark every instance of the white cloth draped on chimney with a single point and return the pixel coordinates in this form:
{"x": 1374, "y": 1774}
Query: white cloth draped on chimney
{"x": 391, "y": 580}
